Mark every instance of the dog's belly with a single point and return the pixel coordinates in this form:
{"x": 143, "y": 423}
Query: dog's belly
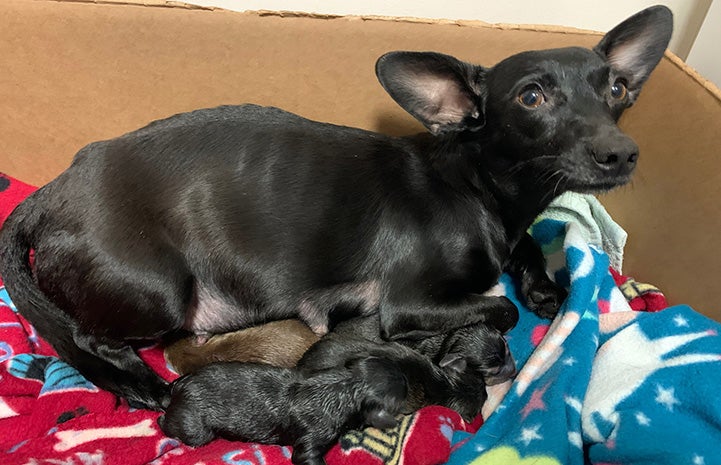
{"x": 211, "y": 313}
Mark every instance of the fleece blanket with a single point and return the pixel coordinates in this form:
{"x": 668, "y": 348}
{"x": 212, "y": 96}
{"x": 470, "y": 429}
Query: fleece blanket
{"x": 601, "y": 384}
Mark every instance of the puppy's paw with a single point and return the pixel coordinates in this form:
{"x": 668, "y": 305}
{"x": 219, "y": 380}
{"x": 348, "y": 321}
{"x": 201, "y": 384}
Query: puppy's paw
{"x": 545, "y": 298}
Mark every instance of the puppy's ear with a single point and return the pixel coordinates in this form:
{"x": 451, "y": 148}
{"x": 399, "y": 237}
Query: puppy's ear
{"x": 453, "y": 362}
{"x": 443, "y": 93}
{"x": 634, "y": 47}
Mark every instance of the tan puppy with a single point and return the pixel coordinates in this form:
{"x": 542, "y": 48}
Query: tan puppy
{"x": 279, "y": 343}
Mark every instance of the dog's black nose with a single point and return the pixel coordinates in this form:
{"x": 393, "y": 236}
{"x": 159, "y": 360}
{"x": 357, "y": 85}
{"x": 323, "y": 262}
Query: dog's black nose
{"x": 615, "y": 157}
{"x": 615, "y": 150}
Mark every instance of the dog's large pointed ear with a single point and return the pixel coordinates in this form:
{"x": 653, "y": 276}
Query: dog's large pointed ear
{"x": 634, "y": 47}
{"x": 442, "y": 92}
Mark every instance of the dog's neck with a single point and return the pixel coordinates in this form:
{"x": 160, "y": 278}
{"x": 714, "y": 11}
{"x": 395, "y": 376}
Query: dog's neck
{"x": 516, "y": 196}
{"x": 521, "y": 195}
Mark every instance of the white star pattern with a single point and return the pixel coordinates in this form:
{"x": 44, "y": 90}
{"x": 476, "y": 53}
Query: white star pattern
{"x": 680, "y": 321}
{"x": 569, "y": 361}
{"x": 529, "y": 434}
{"x": 666, "y": 397}
{"x": 698, "y": 460}
{"x": 642, "y": 419}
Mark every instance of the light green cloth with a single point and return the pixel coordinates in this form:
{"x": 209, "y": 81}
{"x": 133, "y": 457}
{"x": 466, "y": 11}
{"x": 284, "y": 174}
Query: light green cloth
{"x": 596, "y": 224}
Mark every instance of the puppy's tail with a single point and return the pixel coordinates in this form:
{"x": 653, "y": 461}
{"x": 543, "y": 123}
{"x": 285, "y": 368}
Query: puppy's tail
{"x": 17, "y": 239}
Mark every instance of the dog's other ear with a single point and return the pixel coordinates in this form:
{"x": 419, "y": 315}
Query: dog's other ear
{"x": 442, "y": 92}
{"x": 453, "y": 362}
{"x": 634, "y": 47}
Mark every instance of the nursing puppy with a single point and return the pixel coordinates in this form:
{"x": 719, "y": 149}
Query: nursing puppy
{"x": 475, "y": 352}
{"x": 454, "y": 376}
{"x": 225, "y": 218}
{"x": 278, "y": 343}
{"x": 272, "y": 405}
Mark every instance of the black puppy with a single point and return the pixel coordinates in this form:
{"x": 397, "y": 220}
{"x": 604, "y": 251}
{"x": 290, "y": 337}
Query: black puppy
{"x": 479, "y": 349}
{"x": 272, "y": 405}
{"x": 224, "y": 218}
{"x": 449, "y": 370}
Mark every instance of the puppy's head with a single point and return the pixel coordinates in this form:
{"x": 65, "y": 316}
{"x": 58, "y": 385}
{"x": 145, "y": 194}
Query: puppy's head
{"x": 477, "y": 351}
{"x": 472, "y": 358}
{"x": 548, "y": 116}
{"x": 384, "y": 390}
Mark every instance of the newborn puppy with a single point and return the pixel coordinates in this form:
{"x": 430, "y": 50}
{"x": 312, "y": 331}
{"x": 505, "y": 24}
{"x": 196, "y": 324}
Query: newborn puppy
{"x": 278, "y": 343}
{"x": 451, "y": 370}
{"x": 478, "y": 347}
{"x": 272, "y": 405}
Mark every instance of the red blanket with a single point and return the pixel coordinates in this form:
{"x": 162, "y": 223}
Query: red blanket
{"x": 49, "y": 414}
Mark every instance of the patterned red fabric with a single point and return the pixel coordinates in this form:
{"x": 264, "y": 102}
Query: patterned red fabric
{"x": 640, "y": 296}
{"x": 49, "y": 414}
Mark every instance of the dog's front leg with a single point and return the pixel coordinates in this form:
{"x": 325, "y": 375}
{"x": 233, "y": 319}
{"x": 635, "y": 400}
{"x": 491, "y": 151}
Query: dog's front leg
{"x": 416, "y": 318}
{"x": 528, "y": 264}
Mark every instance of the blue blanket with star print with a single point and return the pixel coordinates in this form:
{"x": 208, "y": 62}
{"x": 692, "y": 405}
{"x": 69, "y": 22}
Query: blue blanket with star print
{"x": 601, "y": 384}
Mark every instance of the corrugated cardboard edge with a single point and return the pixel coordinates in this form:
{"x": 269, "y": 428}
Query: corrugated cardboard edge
{"x": 710, "y": 87}
{"x": 144, "y": 3}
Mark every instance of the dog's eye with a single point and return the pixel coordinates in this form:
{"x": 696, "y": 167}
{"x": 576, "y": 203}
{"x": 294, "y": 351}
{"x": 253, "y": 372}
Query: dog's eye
{"x": 531, "y": 97}
{"x": 618, "y": 90}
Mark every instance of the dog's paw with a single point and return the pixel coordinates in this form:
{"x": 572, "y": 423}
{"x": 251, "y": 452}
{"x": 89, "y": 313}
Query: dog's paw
{"x": 504, "y": 316}
{"x": 545, "y": 298}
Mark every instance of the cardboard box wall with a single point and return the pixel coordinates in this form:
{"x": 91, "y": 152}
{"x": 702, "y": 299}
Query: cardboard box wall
{"x": 74, "y": 72}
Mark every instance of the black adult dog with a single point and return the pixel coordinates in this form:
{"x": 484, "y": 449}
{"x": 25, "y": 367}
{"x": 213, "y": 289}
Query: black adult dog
{"x": 224, "y": 218}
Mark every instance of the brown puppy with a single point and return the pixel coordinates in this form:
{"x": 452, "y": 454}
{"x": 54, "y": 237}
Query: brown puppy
{"x": 278, "y": 343}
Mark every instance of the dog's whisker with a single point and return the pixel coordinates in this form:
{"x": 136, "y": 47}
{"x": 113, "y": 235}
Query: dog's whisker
{"x": 524, "y": 163}
{"x": 558, "y": 183}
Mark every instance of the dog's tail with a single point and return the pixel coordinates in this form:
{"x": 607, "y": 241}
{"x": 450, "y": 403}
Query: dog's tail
{"x": 17, "y": 239}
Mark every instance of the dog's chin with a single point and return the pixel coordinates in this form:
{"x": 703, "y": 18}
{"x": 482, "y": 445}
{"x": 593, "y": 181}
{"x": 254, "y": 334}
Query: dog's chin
{"x": 597, "y": 185}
